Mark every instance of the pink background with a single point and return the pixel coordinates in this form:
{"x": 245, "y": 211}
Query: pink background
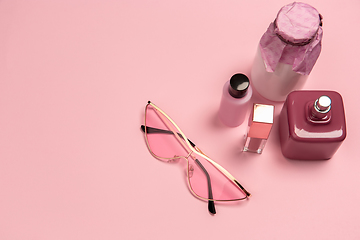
{"x": 75, "y": 77}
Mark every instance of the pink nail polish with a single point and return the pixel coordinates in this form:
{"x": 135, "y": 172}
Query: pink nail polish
{"x": 260, "y": 124}
{"x": 312, "y": 125}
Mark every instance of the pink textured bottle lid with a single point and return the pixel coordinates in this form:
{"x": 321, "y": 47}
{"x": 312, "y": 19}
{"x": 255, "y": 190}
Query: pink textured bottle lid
{"x": 294, "y": 38}
{"x": 298, "y": 23}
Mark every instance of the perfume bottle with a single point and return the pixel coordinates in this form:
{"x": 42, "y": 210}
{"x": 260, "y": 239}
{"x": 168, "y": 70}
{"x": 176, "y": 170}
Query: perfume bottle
{"x": 287, "y": 51}
{"x": 235, "y": 100}
{"x": 260, "y": 124}
{"x": 312, "y": 125}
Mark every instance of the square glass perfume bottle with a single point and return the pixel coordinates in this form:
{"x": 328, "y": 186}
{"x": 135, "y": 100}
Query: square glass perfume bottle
{"x": 260, "y": 124}
{"x": 312, "y": 125}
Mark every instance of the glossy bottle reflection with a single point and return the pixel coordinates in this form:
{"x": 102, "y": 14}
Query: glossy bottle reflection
{"x": 312, "y": 125}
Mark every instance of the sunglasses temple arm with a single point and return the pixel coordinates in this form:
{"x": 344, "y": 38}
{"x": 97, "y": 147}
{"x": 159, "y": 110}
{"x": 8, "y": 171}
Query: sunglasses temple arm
{"x": 211, "y": 205}
{"x": 157, "y": 130}
{"x": 242, "y": 188}
{"x": 228, "y": 175}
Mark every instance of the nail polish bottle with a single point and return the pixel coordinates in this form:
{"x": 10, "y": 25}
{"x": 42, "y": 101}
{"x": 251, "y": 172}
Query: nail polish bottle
{"x": 312, "y": 125}
{"x": 260, "y": 124}
{"x": 235, "y": 100}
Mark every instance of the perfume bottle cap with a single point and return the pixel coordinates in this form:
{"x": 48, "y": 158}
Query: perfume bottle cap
{"x": 239, "y": 84}
{"x": 323, "y": 104}
{"x": 320, "y": 111}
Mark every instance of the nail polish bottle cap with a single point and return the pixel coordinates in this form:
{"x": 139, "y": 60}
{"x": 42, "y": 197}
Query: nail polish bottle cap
{"x": 239, "y": 84}
{"x": 263, "y": 113}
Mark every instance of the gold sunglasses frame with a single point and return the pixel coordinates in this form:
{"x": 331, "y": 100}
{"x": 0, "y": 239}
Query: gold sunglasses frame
{"x": 192, "y": 150}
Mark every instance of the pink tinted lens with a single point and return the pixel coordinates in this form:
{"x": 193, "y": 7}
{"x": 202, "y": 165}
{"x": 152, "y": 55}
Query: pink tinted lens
{"x": 207, "y": 181}
{"x": 163, "y": 138}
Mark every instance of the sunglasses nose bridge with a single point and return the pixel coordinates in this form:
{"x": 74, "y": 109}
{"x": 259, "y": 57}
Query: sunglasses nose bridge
{"x": 190, "y": 155}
